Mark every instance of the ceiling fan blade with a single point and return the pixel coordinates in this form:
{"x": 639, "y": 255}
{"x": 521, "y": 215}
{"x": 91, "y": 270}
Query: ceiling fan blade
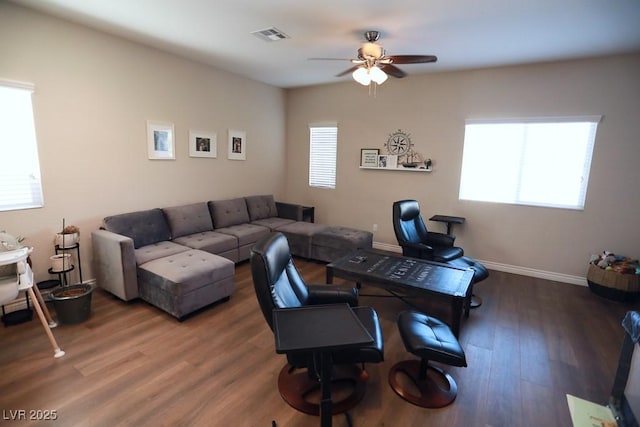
{"x": 350, "y": 70}
{"x": 392, "y": 70}
{"x": 411, "y": 59}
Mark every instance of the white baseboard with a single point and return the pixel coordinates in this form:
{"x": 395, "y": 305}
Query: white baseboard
{"x": 387, "y": 247}
{"x": 506, "y": 268}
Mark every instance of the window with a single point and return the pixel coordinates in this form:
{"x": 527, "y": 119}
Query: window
{"x": 538, "y": 162}
{"x": 323, "y": 145}
{"x": 20, "y": 186}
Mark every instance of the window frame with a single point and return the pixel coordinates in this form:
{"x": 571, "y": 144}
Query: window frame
{"x": 319, "y": 177}
{"x": 27, "y": 184}
{"x": 522, "y": 180}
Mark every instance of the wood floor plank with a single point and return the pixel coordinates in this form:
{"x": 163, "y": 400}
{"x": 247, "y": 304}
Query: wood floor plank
{"x": 531, "y": 342}
{"x": 534, "y": 355}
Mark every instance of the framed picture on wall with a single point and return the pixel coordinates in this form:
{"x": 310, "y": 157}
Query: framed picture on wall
{"x": 237, "y": 145}
{"x": 203, "y": 144}
{"x": 160, "y": 141}
{"x": 369, "y": 157}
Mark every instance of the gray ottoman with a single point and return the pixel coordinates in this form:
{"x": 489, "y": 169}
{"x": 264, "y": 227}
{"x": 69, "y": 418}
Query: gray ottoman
{"x": 335, "y": 242}
{"x": 299, "y": 235}
{"x": 182, "y": 283}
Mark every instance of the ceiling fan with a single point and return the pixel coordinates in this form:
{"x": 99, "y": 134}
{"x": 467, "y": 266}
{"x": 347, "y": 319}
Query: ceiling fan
{"x": 373, "y": 65}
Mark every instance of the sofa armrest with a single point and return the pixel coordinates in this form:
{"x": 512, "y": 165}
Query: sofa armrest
{"x": 115, "y": 264}
{"x": 289, "y": 211}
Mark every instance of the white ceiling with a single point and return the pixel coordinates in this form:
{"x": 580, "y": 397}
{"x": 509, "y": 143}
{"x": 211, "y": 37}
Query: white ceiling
{"x": 463, "y": 34}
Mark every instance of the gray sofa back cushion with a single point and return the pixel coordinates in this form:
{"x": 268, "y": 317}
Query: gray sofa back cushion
{"x": 144, "y": 227}
{"x": 188, "y": 219}
{"x": 226, "y": 213}
{"x": 261, "y": 207}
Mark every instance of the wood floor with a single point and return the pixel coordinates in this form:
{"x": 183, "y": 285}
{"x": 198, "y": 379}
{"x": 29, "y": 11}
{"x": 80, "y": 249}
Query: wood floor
{"x": 530, "y": 343}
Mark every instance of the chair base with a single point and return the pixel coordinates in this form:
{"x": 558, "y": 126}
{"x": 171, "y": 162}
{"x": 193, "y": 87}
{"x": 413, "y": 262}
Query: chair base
{"x": 476, "y": 301}
{"x": 297, "y": 388}
{"x": 432, "y": 395}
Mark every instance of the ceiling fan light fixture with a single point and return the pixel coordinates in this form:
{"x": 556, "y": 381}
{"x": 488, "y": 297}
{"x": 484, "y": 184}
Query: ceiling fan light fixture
{"x": 371, "y": 50}
{"x": 377, "y": 75}
{"x": 361, "y": 75}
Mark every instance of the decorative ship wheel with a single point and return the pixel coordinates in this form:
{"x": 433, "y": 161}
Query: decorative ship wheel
{"x": 399, "y": 143}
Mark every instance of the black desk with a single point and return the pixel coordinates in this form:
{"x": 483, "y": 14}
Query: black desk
{"x": 319, "y": 329}
{"x": 400, "y": 275}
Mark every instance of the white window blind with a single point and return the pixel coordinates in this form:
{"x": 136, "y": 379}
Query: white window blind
{"x": 538, "y": 162}
{"x": 323, "y": 145}
{"x": 20, "y": 185}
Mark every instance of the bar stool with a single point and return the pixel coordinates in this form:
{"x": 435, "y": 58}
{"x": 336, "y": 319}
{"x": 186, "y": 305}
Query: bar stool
{"x": 429, "y": 339}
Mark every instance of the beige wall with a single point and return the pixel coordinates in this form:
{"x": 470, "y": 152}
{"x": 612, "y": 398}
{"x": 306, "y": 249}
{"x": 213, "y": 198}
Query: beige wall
{"x": 433, "y": 108}
{"x": 93, "y": 96}
{"x": 94, "y": 93}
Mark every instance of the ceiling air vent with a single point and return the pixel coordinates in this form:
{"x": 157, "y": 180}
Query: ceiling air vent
{"x": 270, "y": 34}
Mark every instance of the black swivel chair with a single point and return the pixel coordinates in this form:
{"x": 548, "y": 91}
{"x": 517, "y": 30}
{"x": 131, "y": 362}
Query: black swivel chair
{"x": 278, "y": 284}
{"x": 418, "y": 242}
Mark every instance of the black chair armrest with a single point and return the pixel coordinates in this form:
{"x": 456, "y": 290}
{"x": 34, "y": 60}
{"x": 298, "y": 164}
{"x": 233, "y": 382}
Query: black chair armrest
{"x": 417, "y": 250}
{"x": 289, "y": 211}
{"x": 332, "y": 294}
{"x": 439, "y": 239}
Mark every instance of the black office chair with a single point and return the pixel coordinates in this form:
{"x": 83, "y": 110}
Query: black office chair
{"x": 418, "y": 242}
{"x": 278, "y": 284}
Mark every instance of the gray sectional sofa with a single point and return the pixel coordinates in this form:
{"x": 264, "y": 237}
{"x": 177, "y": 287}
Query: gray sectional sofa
{"x": 182, "y": 258}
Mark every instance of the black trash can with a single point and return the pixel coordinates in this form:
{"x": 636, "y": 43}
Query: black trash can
{"x": 72, "y": 303}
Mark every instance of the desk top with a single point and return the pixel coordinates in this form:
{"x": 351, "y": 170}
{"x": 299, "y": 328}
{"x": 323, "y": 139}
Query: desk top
{"x": 448, "y": 218}
{"x": 403, "y": 273}
{"x": 318, "y": 327}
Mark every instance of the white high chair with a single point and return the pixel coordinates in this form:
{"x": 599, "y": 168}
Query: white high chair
{"x": 10, "y": 286}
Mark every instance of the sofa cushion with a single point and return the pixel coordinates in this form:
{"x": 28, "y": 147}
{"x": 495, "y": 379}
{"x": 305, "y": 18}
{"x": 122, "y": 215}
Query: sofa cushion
{"x": 226, "y": 213}
{"x": 188, "y": 219}
{"x": 343, "y": 238}
{"x": 299, "y": 235}
{"x": 182, "y": 283}
{"x": 335, "y": 242}
{"x": 273, "y": 223}
{"x": 245, "y": 233}
{"x": 181, "y": 273}
{"x": 209, "y": 241}
{"x": 261, "y": 207}
{"x": 158, "y": 250}
{"x": 144, "y": 227}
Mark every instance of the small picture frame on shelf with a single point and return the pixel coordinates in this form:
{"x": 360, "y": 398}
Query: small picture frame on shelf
{"x": 382, "y": 161}
{"x": 203, "y": 144}
{"x": 388, "y": 161}
{"x": 392, "y": 161}
{"x": 369, "y": 157}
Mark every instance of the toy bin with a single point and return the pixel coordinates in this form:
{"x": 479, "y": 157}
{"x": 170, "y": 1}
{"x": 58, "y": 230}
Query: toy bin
{"x": 613, "y": 285}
